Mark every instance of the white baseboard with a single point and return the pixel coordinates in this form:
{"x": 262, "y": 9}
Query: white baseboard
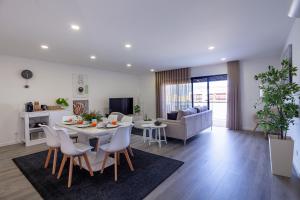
{"x": 2, "y": 144}
{"x": 297, "y": 168}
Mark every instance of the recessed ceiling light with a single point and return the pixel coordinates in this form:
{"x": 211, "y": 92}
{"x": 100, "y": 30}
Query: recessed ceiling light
{"x": 128, "y": 46}
{"x": 211, "y": 48}
{"x": 75, "y": 27}
{"x": 93, "y": 57}
{"x": 43, "y": 46}
{"x": 129, "y": 65}
{"x": 223, "y": 59}
{"x": 152, "y": 70}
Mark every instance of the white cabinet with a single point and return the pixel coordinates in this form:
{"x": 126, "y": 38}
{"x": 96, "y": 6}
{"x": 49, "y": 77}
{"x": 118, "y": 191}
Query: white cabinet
{"x": 32, "y": 133}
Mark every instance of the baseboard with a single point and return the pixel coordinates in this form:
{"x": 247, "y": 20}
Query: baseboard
{"x": 2, "y": 144}
{"x": 297, "y": 168}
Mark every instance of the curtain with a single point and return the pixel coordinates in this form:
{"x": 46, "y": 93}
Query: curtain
{"x": 233, "y": 98}
{"x": 173, "y": 91}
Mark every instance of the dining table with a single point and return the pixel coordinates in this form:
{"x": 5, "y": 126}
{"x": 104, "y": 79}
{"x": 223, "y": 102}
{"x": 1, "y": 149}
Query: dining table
{"x": 84, "y": 136}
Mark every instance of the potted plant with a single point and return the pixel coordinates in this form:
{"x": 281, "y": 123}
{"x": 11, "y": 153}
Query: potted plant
{"x": 62, "y": 102}
{"x": 277, "y": 113}
{"x": 137, "y": 109}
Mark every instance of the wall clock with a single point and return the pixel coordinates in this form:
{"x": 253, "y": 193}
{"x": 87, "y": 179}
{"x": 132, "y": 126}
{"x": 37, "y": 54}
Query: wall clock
{"x": 26, "y": 74}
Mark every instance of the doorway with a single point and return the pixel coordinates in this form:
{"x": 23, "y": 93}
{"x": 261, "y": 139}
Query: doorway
{"x": 211, "y": 91}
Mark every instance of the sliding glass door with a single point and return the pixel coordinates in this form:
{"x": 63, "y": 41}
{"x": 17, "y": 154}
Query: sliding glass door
{"x": 211, "y": 91}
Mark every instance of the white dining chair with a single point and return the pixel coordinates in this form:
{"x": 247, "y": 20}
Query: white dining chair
{"x": 53, "y": 143}
{"x": 74, "y": 118}
{"x": 71, "y": 151}
{"x": 118, "y": 144}
{"x": 128, "y": 121}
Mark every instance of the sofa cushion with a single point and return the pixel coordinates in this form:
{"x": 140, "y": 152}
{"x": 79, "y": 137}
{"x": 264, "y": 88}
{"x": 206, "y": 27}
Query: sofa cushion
{"x": 201, "y": 109}
{"x": 172, "y": 115}
{"x": 188, "y": 111}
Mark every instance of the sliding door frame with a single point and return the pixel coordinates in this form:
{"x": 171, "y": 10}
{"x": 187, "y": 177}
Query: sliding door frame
{"x": 208, "y": 80}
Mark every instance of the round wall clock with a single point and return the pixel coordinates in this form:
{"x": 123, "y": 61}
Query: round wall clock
{"x": 27, "y": 74}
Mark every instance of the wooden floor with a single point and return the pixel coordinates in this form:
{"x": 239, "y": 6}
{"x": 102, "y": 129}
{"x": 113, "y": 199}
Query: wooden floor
{"x": 218, "y": 165}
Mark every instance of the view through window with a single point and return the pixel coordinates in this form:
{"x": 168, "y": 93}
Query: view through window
{"x": 211, "y": 91}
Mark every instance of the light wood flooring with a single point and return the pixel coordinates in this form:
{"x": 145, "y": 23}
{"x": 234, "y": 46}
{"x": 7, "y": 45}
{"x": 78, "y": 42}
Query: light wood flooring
{"x": 219, "y": 164}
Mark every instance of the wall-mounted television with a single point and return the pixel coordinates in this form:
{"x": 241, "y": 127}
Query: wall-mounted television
{"x": 122, "y": 105}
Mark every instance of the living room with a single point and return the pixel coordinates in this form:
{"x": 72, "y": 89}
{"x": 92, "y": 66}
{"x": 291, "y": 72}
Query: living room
{"x": 165, "y": 60}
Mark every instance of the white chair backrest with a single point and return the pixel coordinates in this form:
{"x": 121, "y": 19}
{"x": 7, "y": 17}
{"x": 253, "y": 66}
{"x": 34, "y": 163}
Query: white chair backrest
{"x": 112, "y": 118}
{"x": 66, "y": 143}
{"x": 121, "y": 139}
{"x": 52, "y": 138}
{"x": 127, "y": 119}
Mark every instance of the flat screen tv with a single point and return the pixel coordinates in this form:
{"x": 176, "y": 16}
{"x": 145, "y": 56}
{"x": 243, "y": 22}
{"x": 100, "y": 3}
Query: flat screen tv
{"x": 122, "y": 105}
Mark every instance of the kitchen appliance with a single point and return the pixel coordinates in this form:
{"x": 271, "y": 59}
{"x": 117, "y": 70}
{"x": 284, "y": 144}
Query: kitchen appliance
{"x": 29, "y": 107}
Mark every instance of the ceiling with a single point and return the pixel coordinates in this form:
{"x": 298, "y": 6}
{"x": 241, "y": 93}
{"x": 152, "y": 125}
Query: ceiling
{"x": 164, "y": 33}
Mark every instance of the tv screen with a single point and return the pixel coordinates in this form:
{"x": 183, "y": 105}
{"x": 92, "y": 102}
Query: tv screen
{"x": 122, "y": 105}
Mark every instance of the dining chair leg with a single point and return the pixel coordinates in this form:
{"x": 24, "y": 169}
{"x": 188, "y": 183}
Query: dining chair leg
{"x": 130, "y": 151}
{"x": 48, "y": 157}
{"x": 86, "y": 159}
{"x": 63, "y": 162}
{"x": 80, "y": 163}
{"x": 104, "y": 162}
{"x": 70, "y": 171}
{"x": 54, "y": 161}
{"x": 128, "y": 160}
{"x": 116, "y": 167}
{"x": 118, "y": 158}
{"x": 97, "y": 145}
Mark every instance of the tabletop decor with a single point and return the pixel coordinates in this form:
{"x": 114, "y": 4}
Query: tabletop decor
{"x": 91, "y": 116}
{"x": 157, "y": 123}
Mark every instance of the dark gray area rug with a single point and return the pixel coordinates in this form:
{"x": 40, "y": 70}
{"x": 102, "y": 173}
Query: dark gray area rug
{"x": 150, "y": 171}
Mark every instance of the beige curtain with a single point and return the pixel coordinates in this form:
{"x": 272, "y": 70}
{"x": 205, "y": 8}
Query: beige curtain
{"x": 173, "y": 90}
{"x": 233, "y": 98}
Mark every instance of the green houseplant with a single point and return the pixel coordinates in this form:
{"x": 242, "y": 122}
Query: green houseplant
{"x": 277, "y": 113}
{"x": 137, "y": 109}
{"x": 62, "y": 102}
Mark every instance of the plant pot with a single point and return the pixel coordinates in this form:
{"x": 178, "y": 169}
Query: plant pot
{"x": 281, "y": 155}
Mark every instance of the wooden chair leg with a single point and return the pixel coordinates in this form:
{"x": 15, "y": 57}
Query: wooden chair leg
{"x": 128, "y": 160}
{"x": 80, "y": 163}
{"x": 97, "y": 145}
{"x": 48, "y": 157}
{"x": 116, "y": 166}
{"x": 86, "y": 159}
{"x": 54, "y": 161}
{"x": 130, "y": 151}
{"x": 104, "y": 162}
{"x": 63, "y": 162}
{"x": 118, "y": 158}
{"x": 70, "y": 172}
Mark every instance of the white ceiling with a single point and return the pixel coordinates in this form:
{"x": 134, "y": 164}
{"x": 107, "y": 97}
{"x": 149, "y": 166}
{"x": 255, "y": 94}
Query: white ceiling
{"x": 164, "y": 33}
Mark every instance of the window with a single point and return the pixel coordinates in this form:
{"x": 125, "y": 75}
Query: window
{"x": 211, "y": 91}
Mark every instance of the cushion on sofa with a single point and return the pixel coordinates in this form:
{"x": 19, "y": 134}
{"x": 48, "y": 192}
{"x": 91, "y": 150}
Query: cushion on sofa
{"x": 188, "y": 111}
{"x": 201, "y": 109}
{"x": 172, "y": 115}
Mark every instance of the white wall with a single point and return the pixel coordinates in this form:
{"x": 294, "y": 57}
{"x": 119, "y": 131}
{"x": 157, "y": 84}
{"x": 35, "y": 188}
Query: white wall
{"x": 50, "y": 81}
{"x": 147, "y": 95}
{"x": 294, "y": 39}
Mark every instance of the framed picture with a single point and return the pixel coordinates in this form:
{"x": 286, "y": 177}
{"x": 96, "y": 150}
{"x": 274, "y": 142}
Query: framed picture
{"x": 80, "y": 107}
{"x": 288, "y": 54}
{"x": 80, "y": 86}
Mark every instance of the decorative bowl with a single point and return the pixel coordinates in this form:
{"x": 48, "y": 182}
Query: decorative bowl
{"x": 157, "y": 123}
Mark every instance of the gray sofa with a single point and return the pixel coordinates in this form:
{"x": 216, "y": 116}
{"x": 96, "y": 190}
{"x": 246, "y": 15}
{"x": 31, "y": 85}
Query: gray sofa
{"x": 188, "y": 125}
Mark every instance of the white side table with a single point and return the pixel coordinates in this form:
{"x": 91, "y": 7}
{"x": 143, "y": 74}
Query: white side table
{"x": 157, "y": 138}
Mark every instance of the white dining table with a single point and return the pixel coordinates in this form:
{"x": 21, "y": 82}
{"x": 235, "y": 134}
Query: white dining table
{"x": 84, "y": 134}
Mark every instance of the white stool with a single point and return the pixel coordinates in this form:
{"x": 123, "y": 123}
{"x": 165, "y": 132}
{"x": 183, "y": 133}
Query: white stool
{"x": 157, "y": 137}
{"x": 146, "y": 128}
